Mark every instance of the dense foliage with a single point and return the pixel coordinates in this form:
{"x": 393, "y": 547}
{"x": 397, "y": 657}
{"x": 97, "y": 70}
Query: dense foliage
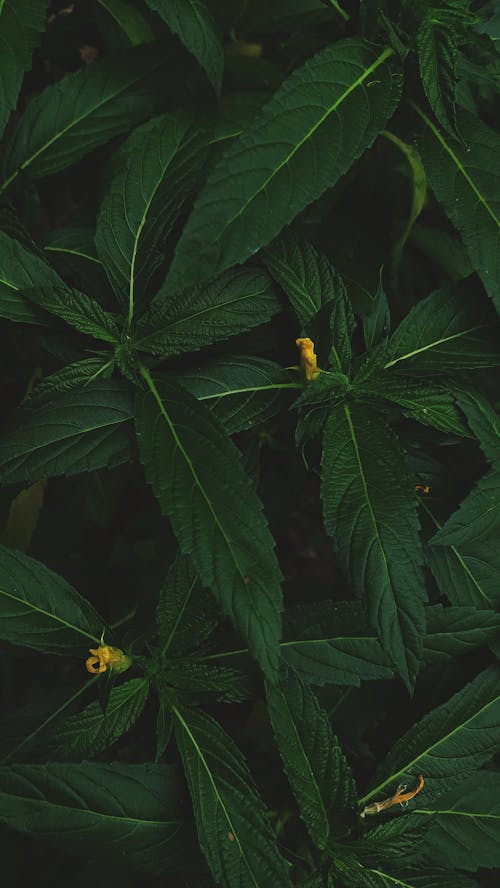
{"x": 249, "y": 592}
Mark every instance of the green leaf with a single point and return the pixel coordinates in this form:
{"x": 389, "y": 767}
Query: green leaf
{"x": 241, "y": 391}
{"x": 84, "y": 110}
{"x": 163, "y": 160}
{"x": 22, "y": 270}
{"x": 301, "y": 144}
{"x": 332, "y": 644}
{"x": 77, "y": 431}
{"x": 312, "y": 758}
{"x": 478, "y": 516}
{"x": 418, "y": 195}
{"x": 205, "y": 680}
{"x": 128, "y": 815}
{"x": 370, "y": 511}
{"x": 194, "y": 24}
{"x": 129, "y": 20}
{"x": 21, "y": 23}
{"x": 428, "y": 403}
{"x": 79, "y": 311}
{"x": 186, "y": 614}
{"x": 40, "y": 610}
{"x": 377, "y": 322}
{"x": 466, "y": 181}
{"x": 76, "y": 375}
{"x": 197, "y": 476}
{"x": 401, "y": 838}
{"x": 453, "y": 740}
{"x": 87, "y": 733}
{"x": 437, "y": 56}
{"x": 446, "y": 331}
{"x": 467, "y": 825}
{"x": 235, "y": 113}
{"x": 233, "y": 830}
{"x": 453, "y": 631}
{"x": 482, "y": 418}
{"x": 237, "y": 300}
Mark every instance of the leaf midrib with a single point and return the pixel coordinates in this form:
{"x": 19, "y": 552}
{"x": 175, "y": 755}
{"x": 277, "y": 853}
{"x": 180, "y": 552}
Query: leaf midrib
{"x": 40, "y": 610}
{"x": 434, "y": 344}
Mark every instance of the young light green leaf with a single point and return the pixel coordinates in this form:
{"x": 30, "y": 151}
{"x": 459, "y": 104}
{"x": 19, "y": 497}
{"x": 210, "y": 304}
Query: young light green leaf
{"x": 300, "y": 145}
{"x": 241, "y": 391}
{"x": 312, "y": 758}
{"x": 418, "y": 193}
{"x": 370, "y": 511}
{"x": 163, "y": 161}
{"x": 186, "y": 614}
{"x": 452, "y": 631}
{"x": 40, "y": 610}
{"x": 90, "y": 731}
{"x": 76, "y": 431}
{"x": 466, "y": 181}
{"x": 130, "y": 815}
{"x": 21, "y": 23}
{"x": 22, "y": 270}
{"x": 79, "y": 311}
{"x": 453, "y": 740}
{"x": 233, "y": 830}
{"x": 466, "y": 823}
{"x": 194, "y": 24}
{"x": 83, "y": 110}
{"x": 478, "y": 516}
{"x": 237, "y": 300}
{"x": 446, "y": 331}
{"x": 197, "y": 476}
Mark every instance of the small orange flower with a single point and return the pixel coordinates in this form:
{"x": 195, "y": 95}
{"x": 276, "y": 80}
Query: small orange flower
{"x": 423, "y": 488}
{"x": 308, "y": 359}
{"x": 399, "y": 798}
{"x": 106, "y": 657}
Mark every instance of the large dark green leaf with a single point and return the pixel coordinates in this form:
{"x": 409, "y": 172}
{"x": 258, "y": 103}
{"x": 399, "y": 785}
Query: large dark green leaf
{"x": 193, "y": 22}
{"x": 241, "y": 391}
{"x": 452, "y": 631}
{"x": 77, "y": 431}
{"x": 451, "y": 741}
{"x": 370, "y": 511}
{"x": 237, "y": 300}
{"x": 430, "y": 404}
{"x": 314, "y": 763}
{"x": 186, "y": 614}
{"x": 466, "y": 823}
{"x": 21, "y": 23}
{"x": 233, "y": 829}
{"x": 196, "y": 473}
{"x": 126, "y": 815}
{"x": 448, "y": 330}
{"x": 83, "y": 110}
{"x": 466, "y": 180}
{"x": 87, "y": 733}
{"x": 22, "y": 270}
{"x": 478, "y": 516}
{"x": 163, "y": 160}
{"x": 76, "y": 375}
{"x": 482, "y": 418}
{"x": 437, "y": 55}
{"x": 40, "y": 610}
{"x": 79, "y": 311}
{"x": 300, "y": 145}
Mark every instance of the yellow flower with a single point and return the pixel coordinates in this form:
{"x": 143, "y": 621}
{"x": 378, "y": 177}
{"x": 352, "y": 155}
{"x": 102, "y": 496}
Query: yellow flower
{"x": 107, "y": 657}
{"x": 308, "y": 360}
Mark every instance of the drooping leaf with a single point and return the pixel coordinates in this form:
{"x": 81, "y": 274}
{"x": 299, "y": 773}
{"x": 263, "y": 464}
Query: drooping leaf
{"x": 446, "y": 331}
{"x": 40, "y": 610}
{"x": 370, "y": 511}
{"x": 129, "y": 815}
{"x": 466, "y": 823}
{"x": 22, "y": 270}
{"x": 237, "y": 300}
{"x": 163, "y": 161}
{"x": 79, "y": 311}
{"x": 76, "y": 431}
{"x": 83, "y": 110}
{"x": 197, "y": 476}
{"x": 194, "y": 24}
{"x": 437, "y": 56}
{"x": 452, "y": 740}
{"x": 233, "y": 830}
{"x": 21, "y": 23}
{"x": 312, "y": 758}
{"x": 186, "y": 614}
{"x": 300, "y": 145}
{"x": 452, "y": 631}
{"x": 478, "y": 516}
{"x": 87, "y": 733}
{"x": 241, "y": 391}
{"x": 466, "y": 181}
